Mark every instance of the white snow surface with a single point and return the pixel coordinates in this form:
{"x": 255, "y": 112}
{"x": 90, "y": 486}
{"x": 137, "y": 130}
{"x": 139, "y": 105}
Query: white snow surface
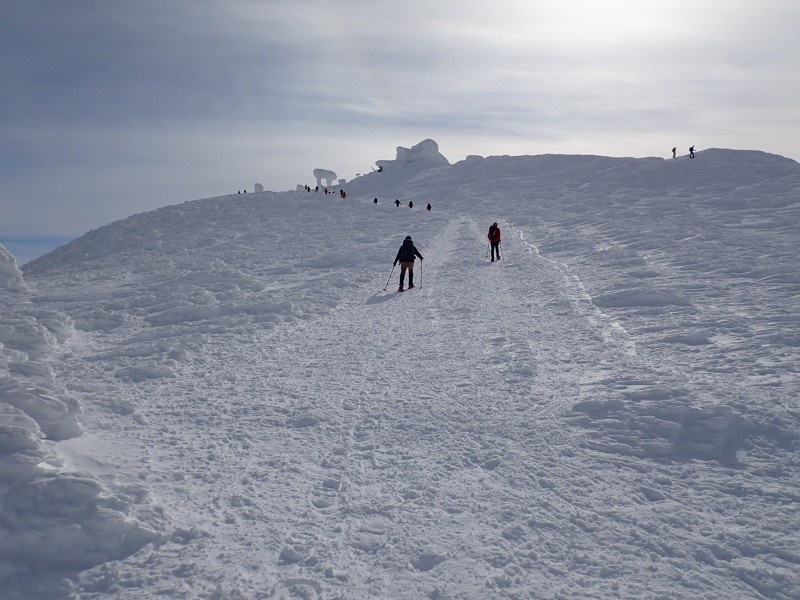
{"x": 218, "y": 399}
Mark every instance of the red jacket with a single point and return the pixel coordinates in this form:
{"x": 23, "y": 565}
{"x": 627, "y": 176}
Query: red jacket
{"x": 494, "y": 234}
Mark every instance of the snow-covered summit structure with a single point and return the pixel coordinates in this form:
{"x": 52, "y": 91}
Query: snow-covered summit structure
{"x": 325, "y": 177}
{"x": 422, "y": 159}
{"x": 426, "y": 153}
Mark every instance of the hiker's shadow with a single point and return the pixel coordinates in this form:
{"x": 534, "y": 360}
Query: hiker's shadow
{"x": 381, "y": 297}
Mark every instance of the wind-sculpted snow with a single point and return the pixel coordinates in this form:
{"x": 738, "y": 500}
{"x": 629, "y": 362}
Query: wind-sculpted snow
{"x": 611, "y": 410}
{"x": 10, "y": 275}
{"x": 52, "y": 520}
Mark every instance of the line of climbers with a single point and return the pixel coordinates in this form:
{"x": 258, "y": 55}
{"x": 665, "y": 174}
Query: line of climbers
{"x": 343, "y": 196}
{"x": 397, "y": 203}
{"x": 342, "y": 193}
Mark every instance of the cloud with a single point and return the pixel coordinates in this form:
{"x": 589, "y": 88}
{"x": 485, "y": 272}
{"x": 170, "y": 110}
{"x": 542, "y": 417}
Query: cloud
{"x": 113, "y": 108}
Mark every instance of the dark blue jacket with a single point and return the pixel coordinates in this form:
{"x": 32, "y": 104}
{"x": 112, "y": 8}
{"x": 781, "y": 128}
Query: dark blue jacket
{"x": 407, "y": 252}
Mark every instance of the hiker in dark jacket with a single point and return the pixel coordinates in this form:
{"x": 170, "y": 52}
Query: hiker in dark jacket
{"x": 494, "y": 240}
{"x": 406, "y": 256}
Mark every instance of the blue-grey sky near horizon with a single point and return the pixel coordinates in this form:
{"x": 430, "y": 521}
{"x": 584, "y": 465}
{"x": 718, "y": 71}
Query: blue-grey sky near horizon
{"x": 113, "y": 108}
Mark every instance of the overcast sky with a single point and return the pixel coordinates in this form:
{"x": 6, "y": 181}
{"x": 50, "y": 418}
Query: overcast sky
{"x": 113, "y": 108}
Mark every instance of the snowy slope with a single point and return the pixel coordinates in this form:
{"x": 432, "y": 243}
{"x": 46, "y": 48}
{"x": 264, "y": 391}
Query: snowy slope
{"x": 609, "y": 411}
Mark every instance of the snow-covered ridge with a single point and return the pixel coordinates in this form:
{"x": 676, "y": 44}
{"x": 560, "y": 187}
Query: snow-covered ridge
{"x": 610, "y": 410}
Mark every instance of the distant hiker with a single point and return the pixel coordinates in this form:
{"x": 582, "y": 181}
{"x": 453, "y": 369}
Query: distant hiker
{"x": 691, "y": 151}
{"x": 316, "y": 189}
{"x": 406, "y": 256}
{"x": 494, "y": 240}
{"x": 375, "y": 201}
{"x": 397, "y": 202}
{"x": 674, "y": 150}
{"x": 343, "y": 194}
{"x": 380, "y": 169}
{"x": 410, "y": 204}
{"x": 428, "y": 207}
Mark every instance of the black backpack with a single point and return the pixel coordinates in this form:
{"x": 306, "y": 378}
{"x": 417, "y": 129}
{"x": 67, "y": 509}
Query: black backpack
{"x": 407, "y": 251}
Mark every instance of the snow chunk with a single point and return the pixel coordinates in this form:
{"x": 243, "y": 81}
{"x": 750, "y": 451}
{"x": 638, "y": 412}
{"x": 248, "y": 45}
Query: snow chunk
{"x": 18, "y": 433}
{"x": 427, "y": 561}
{"x": 27, "y": 335}
{"x": 66, "y": 521}
{"x": 10, "y": 275}
{"x": 56, "y": 413}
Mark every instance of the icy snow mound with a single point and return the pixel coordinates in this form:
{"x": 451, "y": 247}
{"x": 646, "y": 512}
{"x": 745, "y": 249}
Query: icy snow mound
{"x": 427, "y": 151}
{"x": 10, "y": 275}
{"x": 408, "y": 164}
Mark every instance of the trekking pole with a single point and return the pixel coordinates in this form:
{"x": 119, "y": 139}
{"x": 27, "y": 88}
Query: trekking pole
{"x": 420, "y": 273}
{"x": 487, "y": 249}
{"x": 390, "y": 278}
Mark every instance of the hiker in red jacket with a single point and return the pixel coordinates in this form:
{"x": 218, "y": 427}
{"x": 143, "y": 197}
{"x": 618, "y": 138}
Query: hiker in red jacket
{"x": 494, "y": 240}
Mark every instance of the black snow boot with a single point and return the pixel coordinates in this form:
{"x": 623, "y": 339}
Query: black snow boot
{"x": 410, "y": 279}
